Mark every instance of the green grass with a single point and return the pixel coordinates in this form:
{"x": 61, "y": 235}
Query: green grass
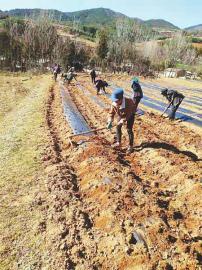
{"x": 197, "y": 39}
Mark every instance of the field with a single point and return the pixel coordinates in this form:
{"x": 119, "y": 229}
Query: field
{"x": 197, "y": 45}
{"x": 87, "y": 205}
{"x": 22, "y": 119}
{"x": 81, "y": 40}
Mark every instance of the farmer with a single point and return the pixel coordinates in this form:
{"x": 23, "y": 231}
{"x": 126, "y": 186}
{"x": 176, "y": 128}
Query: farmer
{"x": 125, "y": 108}
{"x": 72, "y": 69}
{"x": 93, "y": 75}
{"x": 56, "y": 71}
{"x": 100, "y": 84}
{"x": 68, "y": 77}
{"x": 137, "y": 91}
{"x": 128, "y": 70}
{"x": 175, "y": 99}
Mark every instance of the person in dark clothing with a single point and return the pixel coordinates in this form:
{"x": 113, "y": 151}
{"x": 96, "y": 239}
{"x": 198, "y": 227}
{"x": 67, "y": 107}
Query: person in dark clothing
{"x": 56, "y": 71}
{"x": 125, "y": 108}
{"x": 72, "y": 69}
{"x": 93, "y": 75}
{"x": 175, "y": 99}
{"x": 68, "y": 77}
{"x": 137, "y": 91}
{"x": 128, "y": 70}
{"x": 100, "y": 84}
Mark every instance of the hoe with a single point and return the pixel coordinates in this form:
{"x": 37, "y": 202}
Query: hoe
{"x": 83, "y": 133}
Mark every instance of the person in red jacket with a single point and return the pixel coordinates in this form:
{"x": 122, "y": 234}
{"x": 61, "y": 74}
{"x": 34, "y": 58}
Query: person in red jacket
{"x": 125, "y": 109}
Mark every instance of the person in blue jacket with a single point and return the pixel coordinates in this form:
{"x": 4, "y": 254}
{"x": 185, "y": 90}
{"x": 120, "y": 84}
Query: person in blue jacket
{"x": 137, "y": 91}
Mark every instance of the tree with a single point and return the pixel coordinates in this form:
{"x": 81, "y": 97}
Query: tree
{"x": 154, "y": 51}
{"x": 31, "y": 43}
{"x": 176, "y": 48}
{"x": 102, "y": 48}
{"x": 4, "y": 48}
{"x": 125, "y": 42}
{"x": 14, "y": 50}
{"x": 69, "y": 53}
{"x": 40, "y": 38}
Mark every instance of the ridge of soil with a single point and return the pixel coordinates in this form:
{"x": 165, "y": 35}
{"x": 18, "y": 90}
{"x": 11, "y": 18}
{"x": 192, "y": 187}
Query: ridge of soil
{"x": 114, "y": 211}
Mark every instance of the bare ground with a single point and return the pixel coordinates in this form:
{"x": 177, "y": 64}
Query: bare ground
{"x": 132, "y": 212}
{"x": 102, "y": 209}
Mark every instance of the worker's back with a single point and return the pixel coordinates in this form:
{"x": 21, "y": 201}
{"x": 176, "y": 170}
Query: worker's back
{"x": 101, "y": 83}
{"x": 93, "y": 73}
{"x": 174, "y": 96}
{"x": 137, "y": 90}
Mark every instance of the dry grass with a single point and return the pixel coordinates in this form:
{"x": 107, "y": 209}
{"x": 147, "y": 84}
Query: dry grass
{"x": 21, "y": 145}
{"x": 197, "y": 45}
{"x": 181, "y": 82}
{"x": 78, "y": 39}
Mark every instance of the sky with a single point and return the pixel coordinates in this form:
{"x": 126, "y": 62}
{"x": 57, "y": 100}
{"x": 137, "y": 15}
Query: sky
{"x": 182, "y": 13}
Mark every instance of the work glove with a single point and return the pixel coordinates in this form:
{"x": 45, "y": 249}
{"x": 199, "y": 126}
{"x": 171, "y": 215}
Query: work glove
{"x": 109, "y": 125}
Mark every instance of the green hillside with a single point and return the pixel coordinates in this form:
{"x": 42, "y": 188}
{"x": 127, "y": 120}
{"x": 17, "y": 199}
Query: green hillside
{"x": 54, "y": 14}
{"x": 96, "y": 16}
{"x": 159, "y": 23}
{"x": 194, "y": 28}
{"x": 91, "y": 16}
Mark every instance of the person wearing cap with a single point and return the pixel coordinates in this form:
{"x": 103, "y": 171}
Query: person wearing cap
{"x": 137, "y": 91}
{"x": 175, "y": 99}
{"x": 125, "y": 109}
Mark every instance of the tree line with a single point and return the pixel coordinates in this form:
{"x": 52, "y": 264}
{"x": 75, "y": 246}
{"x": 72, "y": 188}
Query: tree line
{"x": 138, "y": 47}
{"x": 28, "y": 44}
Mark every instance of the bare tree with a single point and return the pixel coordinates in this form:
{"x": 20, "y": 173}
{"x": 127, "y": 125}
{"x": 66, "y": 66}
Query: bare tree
{"x": 154, "y": 51}
{"x": 125, "y": 42}
{"x": 175, "y": 49}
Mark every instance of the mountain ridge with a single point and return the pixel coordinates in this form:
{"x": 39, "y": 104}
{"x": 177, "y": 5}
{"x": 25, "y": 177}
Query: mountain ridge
{"x": 95, "y": 16}
{"x": 193, "y": 28}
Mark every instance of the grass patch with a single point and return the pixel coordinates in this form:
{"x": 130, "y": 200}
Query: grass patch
{"x": 22, "y": 139}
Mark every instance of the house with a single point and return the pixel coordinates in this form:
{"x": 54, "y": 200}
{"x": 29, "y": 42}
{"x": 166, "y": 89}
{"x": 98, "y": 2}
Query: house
{"x": 174, "y": 73}
{"x": 190, "y": 75}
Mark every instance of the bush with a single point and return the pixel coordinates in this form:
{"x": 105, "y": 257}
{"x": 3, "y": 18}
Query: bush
{"x": 197, "y": 40}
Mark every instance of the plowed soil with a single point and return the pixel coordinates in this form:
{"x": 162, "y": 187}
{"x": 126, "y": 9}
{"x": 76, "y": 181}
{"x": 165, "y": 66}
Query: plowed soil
{"x": 119, "y": 211}
{"x": 95, "y": 207}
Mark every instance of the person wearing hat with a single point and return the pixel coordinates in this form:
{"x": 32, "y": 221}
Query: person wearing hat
{"x": 125, "y": 109}
{"x": 175, "y": 99}
{"x": 137, "y": 91}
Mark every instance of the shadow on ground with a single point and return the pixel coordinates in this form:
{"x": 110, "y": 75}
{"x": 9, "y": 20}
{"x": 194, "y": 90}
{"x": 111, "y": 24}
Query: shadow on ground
{"x": 169, "y": 147}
